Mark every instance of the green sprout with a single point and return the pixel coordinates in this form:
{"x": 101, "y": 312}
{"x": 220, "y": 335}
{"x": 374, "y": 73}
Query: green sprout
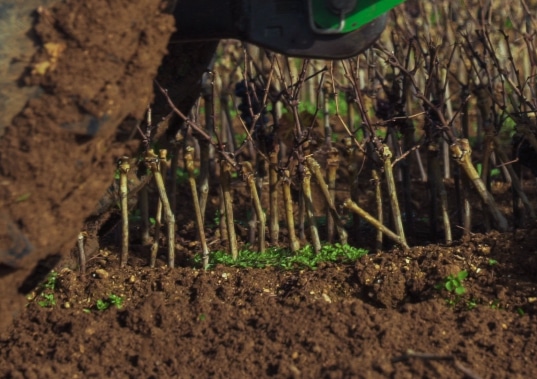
{"x": 471, "y": 304}
{"x": 47, "y": 289}
{"x": 52, "y": 278}
{"x": 48, "y": 300}
{"x": 104, "y": 304}
{"x": 454, "y": 285}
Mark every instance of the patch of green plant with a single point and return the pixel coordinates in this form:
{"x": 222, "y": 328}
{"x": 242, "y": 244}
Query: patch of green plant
{"x": 51, "y": 281}
{"x": 306, "y": 106}
{"x": 520, "y": 311}
{"x": 508, "y": 127}
{"x": 493, "y": 262}
{"x": 217, "y": 217}
{"x": 284, "y": 258}
{"x": 46, "y": 297}
{"x": 454, "y": 285}
{"x": 240, "y": 138}
{"x": 381, "y": 133}
{"x": 471, "y": 304}
{"x": 493, "y": 173}
{"x": 495, "y": 304}
{"x": 104, "y": 304}
{"x": 181, "y": 175}
{"x": 47, "y": 301}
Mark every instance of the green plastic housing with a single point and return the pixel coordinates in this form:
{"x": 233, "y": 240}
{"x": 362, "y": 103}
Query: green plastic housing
{"x": 364, "y": 12}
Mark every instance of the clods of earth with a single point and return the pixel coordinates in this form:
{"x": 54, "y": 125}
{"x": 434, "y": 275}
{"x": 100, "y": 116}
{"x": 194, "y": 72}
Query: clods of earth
{"x": 462, "y": 311}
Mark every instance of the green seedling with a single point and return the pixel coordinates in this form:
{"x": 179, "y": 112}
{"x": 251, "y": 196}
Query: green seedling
{"x": 453, "y": 283}
{"x": 52, "y": 278}
{"x": 493, "y": 262}
{"x": 47, "y": 288}
{"x": 48, "y": 300}
{"x": 471, "y": 304}
{"x": 104, "y": 304}
{"x": 455, "y": 287}
{"x": 520, "y": 311}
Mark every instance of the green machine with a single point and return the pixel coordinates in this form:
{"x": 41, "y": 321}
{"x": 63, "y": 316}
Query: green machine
{"x": 329, "y": 29}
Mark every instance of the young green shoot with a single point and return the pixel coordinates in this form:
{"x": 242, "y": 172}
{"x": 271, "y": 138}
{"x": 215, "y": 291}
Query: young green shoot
{"x": 104, "y": 304}
{"x": 492, "y": 262}
{"x": 47, "y": 289}
{"x": 453, "y": 284}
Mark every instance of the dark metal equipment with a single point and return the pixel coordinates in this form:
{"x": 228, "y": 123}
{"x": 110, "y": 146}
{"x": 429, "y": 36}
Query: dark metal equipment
{"x": 329, "y": 29}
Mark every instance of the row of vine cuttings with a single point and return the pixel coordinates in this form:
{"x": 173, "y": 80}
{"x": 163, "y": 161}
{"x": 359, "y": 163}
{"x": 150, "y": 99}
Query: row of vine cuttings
{"x": 406, "y": 137}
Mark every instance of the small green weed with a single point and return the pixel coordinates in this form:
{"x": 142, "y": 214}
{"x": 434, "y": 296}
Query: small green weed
{"x": 453, "y": 284}
{"x": 47, "y": 289}
{"x": 104, "y": 304}
{"x": 493, "y": 262}
{"x": 284, "y": 258}
{"x": 471, "y": 304}
{"x": 51, "y": 281}
{"x": 240, "y": 138}
{"x": 48, "y": 300}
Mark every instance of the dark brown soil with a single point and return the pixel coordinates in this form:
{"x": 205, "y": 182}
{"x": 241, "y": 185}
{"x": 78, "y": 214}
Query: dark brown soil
{"x": 367, "y": 320}
{"x": 91, "y": 70}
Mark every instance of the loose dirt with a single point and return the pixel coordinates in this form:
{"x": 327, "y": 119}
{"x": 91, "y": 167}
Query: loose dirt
{"x": 383, "y": 317}
{"x": 91, "y": 67}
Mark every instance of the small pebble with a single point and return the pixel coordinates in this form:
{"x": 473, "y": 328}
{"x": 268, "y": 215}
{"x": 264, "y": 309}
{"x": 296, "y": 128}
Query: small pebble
{"x": 101, "y": 273}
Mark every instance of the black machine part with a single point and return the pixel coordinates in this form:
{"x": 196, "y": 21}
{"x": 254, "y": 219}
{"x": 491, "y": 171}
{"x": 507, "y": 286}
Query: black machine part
{"x": 278, "y": 25}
